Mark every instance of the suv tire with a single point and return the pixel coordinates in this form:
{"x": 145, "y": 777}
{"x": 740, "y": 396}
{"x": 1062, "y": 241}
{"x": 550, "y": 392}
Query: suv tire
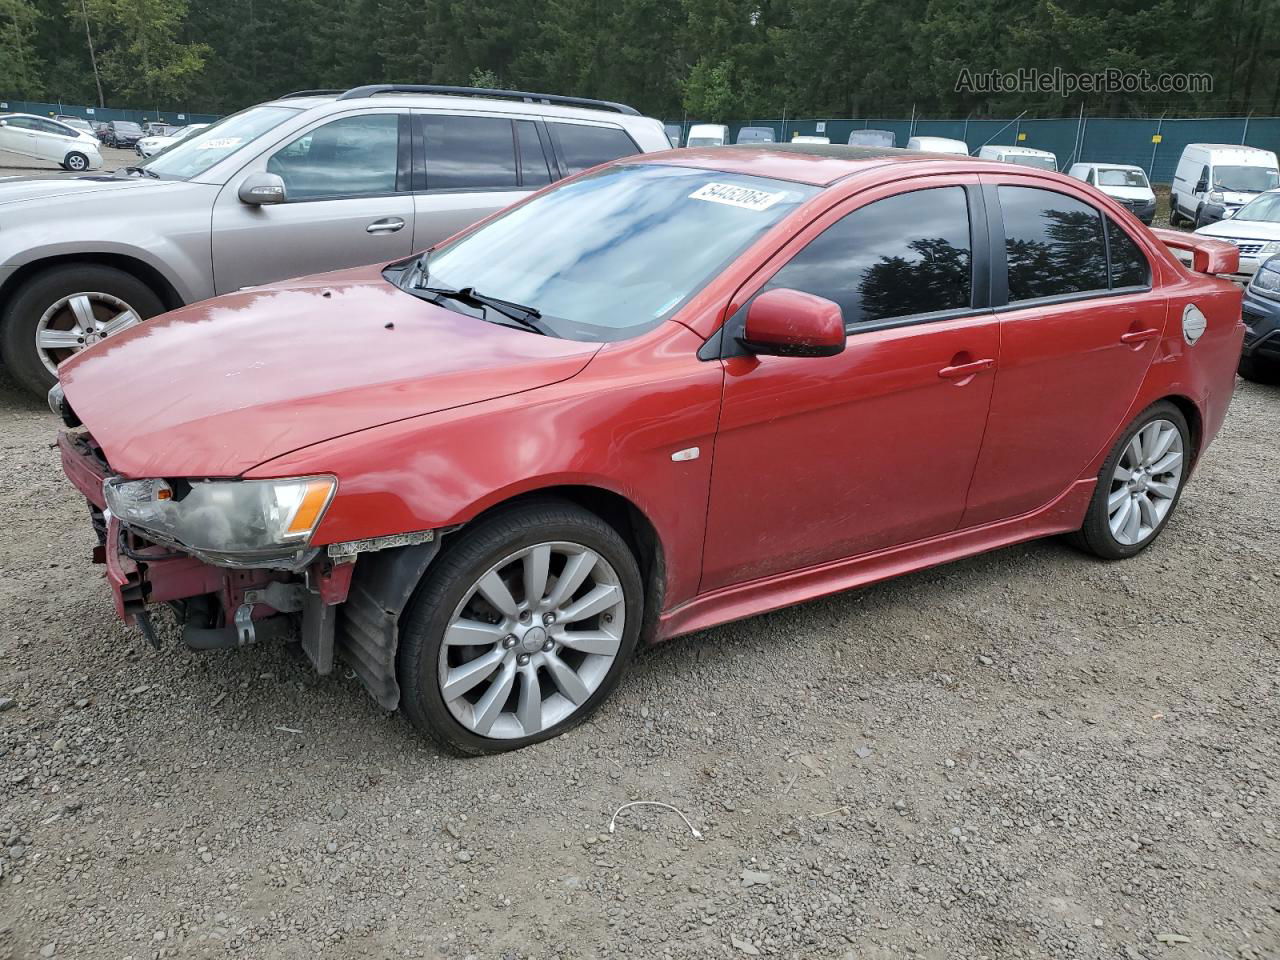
{"x": 450, "y": 595}
{"x": 1259, "y": 370}
{"x": 1157, "y": 423}
{"x": 21, "y": 316}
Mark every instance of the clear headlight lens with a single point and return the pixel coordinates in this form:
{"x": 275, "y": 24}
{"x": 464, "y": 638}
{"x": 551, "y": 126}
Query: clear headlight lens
{"x": 237, "y": 522}
{"x": 1216, "y": 197}
{"x": 1267, "y": 279}
{"x": 1269, "y": 250}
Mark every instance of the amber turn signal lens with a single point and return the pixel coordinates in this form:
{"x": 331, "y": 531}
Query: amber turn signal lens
{"x": 313, "y": 503}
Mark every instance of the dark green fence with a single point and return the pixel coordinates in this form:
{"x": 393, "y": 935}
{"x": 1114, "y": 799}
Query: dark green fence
{"x": 103, "y": 114}
{"x": 1072, "y": 139}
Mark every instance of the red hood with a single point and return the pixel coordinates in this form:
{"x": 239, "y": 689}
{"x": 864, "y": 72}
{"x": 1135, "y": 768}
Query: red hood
{"x": 221, "y": 386}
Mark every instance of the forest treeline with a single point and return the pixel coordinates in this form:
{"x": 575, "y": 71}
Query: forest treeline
{"x": 725, "y": 60}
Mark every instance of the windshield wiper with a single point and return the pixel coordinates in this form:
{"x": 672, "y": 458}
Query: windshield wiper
{"x": 525, "y": 316}
{"x": 143, "y": 170}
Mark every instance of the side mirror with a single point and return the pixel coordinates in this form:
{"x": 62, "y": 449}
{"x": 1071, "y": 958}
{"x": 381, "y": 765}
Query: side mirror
{"x": 1202, "y": 186}
{"x": 1228, "y": 214}
{"x": 258, "y": 189}
{"x": 790, "y": 323}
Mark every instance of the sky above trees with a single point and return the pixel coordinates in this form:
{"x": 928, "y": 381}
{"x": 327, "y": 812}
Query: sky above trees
{"x": 722, "y": 60}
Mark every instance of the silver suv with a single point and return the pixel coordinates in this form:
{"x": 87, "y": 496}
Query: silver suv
{"x": 317, "y": 180}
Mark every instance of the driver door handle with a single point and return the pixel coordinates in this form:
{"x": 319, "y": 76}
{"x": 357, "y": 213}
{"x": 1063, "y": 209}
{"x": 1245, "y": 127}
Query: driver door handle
{"x": 961, "y": 370}
{"x": 1139, "y": 336}
{"x": 385, "y": 225}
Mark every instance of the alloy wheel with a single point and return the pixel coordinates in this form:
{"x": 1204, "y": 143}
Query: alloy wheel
{"x": 80, "y": 320}
{"x": 1145, "y": 482}
{"x": 532, "y": 640}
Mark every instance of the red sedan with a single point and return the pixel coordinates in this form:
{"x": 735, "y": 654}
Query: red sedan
{"x": 668, "y": 393}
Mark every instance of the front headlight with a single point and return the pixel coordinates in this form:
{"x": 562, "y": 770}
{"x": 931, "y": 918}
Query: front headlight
{"x": 1216, "y": 196}
{"x": 1269, "y": 250}
{"x": 1267, "y": 280}
{"x": 233, "y": 522}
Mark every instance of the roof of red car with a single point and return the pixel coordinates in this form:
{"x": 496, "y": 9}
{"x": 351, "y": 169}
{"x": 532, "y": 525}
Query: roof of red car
{"x": 818, "y": 164}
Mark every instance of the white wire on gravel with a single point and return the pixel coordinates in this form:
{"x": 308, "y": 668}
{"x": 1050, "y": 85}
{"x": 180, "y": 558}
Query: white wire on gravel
{"x": 697, "y": 834}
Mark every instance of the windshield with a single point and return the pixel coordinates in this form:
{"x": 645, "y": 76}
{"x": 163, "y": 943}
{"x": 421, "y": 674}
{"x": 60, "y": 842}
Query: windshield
{"x": 1265, "y": 208}
{"x": 1028, "y": 160}
{"x": 611, "y": 255}
{"x": 1245, "y": 179}
{"x": 705, "y": 142}
{"x": 194, "y": 154}
{"x": 870, "y": 138}
{"x": 124, "y": 126}
{"x": 1115, "y": 177}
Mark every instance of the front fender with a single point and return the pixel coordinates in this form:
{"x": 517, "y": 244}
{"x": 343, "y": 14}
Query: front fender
{"x": 614, "y": 426}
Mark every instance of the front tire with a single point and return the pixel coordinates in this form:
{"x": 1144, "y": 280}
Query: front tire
{"x": 62, "y": 310}
{"x": 1174, "y": 217}
{"x": 1199, "y": 221}
{"x": 520, "y": 630}
{"x": 1139, "y": 486}
{"x": 76, "y": 162}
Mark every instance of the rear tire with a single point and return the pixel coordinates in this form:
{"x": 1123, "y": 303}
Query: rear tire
{"x": 1258, "y": 370}
{"x": 513, "y": 652}
{"x": 1157, "y": 487}
{"x": 22, "y": 315}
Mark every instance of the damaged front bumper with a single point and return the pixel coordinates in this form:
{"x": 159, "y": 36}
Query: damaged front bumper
{"x": 217, "y": 606}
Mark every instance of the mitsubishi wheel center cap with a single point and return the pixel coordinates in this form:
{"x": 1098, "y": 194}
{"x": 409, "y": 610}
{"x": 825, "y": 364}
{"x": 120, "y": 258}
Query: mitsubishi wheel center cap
{"x": 533, "y": 639}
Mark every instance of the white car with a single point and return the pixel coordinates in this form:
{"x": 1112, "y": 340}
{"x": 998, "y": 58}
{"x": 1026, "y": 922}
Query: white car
{"x": 1122, "y": 182}
{"x": 938, "y": 145}
{"x": 150, "y": 146}
{"x": 803, "y": 138}
{"x": 1026, "y": 156}
{"x": 1254, "y": 229}
{"x": 44, "y": 139}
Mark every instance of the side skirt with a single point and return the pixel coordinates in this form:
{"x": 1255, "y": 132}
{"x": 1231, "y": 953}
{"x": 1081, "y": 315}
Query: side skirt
{"x": 755, "y": 597}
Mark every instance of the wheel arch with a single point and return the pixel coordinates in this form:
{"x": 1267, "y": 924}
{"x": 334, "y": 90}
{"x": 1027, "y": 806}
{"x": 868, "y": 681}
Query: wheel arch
{"x": 1195, "y": 421}
{"x": 134, "y": 266}
{"x": 623, "y": 515}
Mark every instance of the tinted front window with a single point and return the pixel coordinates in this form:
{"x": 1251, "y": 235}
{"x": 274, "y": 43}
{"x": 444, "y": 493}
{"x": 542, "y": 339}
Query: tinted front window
{"x": 534, "y": 171}
{"x": 582, "y": 146}
{"x": 200, "y": 151}
{"x": 895, "y": 257}
{"x": 615, "y": 253}
{"x": 1054, "y": 244}
{"x": 353, "y": 156}
{"x": 469, "y": 153}
{"x": 1129, "y": 267}
{"x": 1244, "y": 179}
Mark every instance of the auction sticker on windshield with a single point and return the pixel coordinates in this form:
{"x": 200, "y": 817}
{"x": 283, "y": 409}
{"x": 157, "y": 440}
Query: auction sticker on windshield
{"x": 736, "y": 196}
{"x": 221, "y": 143}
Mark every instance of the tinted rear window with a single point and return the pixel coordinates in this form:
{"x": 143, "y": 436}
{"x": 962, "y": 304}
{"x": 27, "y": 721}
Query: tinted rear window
{"x": 582, "y": 147}
{"x": 1129, "y": 267}
{"x": 1054, "y": 244}
{"x": 469, "y": 153}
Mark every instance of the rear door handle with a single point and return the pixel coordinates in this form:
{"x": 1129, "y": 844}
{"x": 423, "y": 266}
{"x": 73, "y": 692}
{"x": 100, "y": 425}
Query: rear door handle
{"x": 961, "y": 370}
{"x": 385, "y": 225}
{"x": 1139, "y": 336}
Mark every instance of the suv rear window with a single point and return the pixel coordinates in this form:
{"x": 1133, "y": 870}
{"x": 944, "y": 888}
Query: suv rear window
{"x": 469, "y": 153}
{"x": 581, "y": 146}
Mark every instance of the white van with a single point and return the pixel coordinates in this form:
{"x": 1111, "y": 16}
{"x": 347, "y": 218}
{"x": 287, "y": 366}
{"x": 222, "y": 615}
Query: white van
{"x": 1213, "y": 180}
{"x": 1026, "y": 156}
{"x": 938, "y": 145}
{"x": 1123, "y": 183}
{"x": 707, "y": 135}
{"x": 808, "y": 138}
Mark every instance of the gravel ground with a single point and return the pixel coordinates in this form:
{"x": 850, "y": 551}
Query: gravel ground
{"x": 1025, "y": 754}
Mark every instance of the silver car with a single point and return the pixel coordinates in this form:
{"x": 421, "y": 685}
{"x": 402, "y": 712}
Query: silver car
{"x": 314, "y": 181}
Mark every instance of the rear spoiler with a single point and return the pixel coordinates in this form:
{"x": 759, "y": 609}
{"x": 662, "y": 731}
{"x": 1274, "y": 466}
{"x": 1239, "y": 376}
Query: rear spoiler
{"x": 1207, "y": 255}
